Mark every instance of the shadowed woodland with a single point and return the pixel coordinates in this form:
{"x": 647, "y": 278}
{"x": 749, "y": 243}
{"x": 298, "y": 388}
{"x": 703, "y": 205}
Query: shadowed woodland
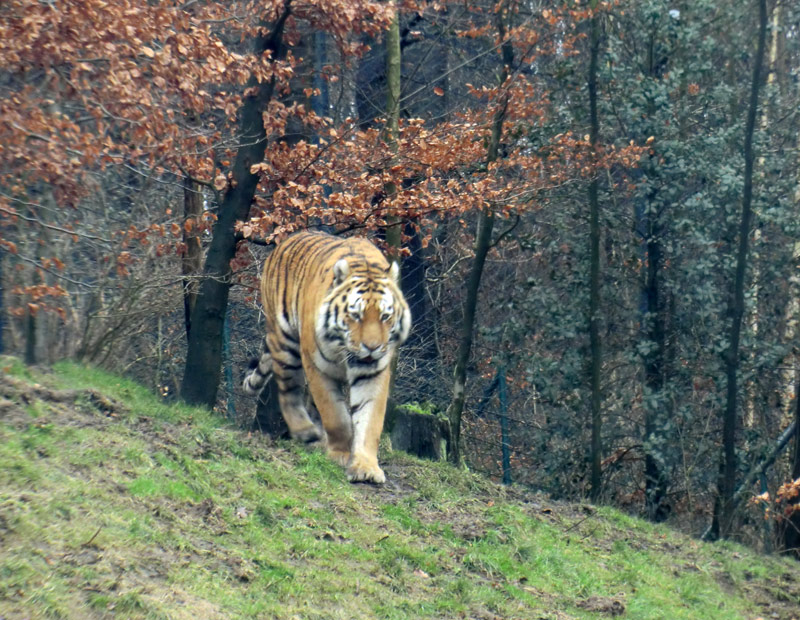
{"x": 596, "y": 206}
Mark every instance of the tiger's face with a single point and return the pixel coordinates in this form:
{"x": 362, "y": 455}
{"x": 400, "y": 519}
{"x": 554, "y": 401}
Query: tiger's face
{"x": 365, "y": 313}
{"x": 369, "y": 319}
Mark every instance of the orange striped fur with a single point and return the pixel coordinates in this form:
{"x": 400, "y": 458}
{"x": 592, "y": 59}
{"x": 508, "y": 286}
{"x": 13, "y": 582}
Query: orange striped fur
{"x": 335, "y": 316}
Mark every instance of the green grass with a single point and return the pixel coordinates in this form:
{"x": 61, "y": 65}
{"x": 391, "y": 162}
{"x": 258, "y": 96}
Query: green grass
{"x": 141, "y": 509}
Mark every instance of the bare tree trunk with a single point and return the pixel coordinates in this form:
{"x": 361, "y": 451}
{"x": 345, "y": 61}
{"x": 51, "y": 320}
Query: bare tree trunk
{"x": 654, "y": 320}
{"x": 654, "y": 373}
{"x": 393, "y": 74}
{"x": 204, "y": 356}
{"x": 320, "y": 103}
{"x": 2, "y": 304}
{"x": 791, "y": 534}
{"x": 393, "y": 231}
{"x": 724, "y": 506}
{"x": 30, "y": 337}
{"x": 483, "y": 241}
{"x": 595, "y": 344}
{"x": 192, "y": 259}
{"x": 791, "y": 539}
{"x": 422, "y": 340}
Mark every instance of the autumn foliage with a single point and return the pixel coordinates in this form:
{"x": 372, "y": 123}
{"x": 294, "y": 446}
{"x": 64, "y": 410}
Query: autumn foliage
{"x": 149, "y": 90}
{"x": 154, "y": 89}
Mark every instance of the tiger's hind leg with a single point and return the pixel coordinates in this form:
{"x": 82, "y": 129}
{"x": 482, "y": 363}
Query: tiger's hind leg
{"x": 289, "y": 376}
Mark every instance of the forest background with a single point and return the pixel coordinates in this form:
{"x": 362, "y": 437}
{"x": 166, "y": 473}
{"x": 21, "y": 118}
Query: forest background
{"x": 595, "y": 205}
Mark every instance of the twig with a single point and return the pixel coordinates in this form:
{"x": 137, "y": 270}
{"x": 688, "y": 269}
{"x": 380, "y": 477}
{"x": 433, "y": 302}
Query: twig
{"x": 505, "y": 233}
{"x": 91, "y": 540}
{"x": 576, "y": 524}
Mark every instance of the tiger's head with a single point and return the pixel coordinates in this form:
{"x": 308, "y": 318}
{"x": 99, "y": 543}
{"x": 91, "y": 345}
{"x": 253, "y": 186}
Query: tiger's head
{"x": 365, "y": 312}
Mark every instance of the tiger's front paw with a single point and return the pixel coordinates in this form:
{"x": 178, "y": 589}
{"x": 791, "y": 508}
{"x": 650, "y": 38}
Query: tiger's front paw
{"x": 365, "y": 469}
{"x": 340, "y": 457}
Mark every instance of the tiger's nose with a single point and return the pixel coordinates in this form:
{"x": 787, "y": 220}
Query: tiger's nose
{"x": 369, "y": 351}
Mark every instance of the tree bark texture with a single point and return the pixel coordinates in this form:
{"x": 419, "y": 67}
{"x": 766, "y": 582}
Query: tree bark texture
{"x": 791, "y": 537}
{"x": 30, "y": 338}
{"x": 655, "y": 329}
{"x": 422, "y": 339}
{"x": 204, "y": 356}
{"x": 320, "y": 103}
{"x": 2, "y": 304}
{"x": 654, "y": 373}
{"x": 483, "y": 239}
{"x": 393, "y": 230}
{"x": 192, "y": 259}
{"x": 725, "y": 506}
{"x": 393, "y": 75}
{"x": 595, "y": 343}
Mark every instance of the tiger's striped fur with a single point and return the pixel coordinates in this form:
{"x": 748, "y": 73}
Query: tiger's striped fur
{"x": 335, "y": 315}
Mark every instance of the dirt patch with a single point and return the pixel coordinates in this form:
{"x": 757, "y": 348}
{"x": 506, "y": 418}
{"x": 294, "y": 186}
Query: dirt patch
{"x": 602, "y": 605}
{"x": 211, "y": 515}
{"x": 8, "y": 407}
{"x": 778, "y": 599}
{"x": 73, "y": 407}
{"x": 466, "y": 521}
{"x": 396, "y": 487}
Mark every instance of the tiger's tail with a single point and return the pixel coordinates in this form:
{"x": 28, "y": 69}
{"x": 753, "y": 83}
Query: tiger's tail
{"x": 260, "y": 372}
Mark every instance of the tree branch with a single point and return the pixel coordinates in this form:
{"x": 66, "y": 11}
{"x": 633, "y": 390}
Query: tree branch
{"x": 506, "y": 232}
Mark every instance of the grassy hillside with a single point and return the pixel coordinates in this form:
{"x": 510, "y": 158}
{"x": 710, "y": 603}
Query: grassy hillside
{"x": 115, "y": 505}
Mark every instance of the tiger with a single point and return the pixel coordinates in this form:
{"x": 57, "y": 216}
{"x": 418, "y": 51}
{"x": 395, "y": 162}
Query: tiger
{"x": 335, "y": 316}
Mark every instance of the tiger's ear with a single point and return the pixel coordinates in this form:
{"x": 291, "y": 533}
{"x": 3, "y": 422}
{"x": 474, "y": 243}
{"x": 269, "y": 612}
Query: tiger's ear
{"x": 340, "y": 271}
{"x": 394, "y": 272}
